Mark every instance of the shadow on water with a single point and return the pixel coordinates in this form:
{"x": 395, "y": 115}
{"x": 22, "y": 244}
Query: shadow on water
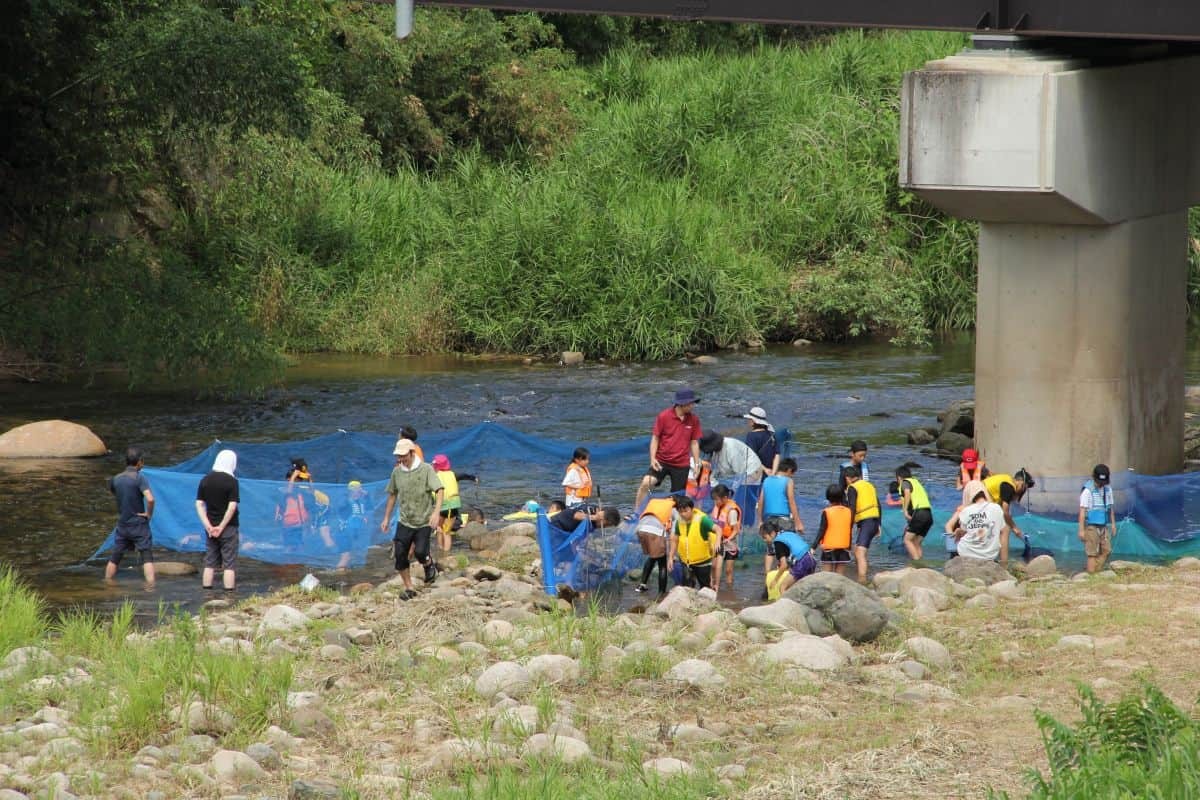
{"x": 56, "y": 513}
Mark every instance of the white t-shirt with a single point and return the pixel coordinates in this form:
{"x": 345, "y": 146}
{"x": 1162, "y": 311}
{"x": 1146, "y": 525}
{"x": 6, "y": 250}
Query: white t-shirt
{"x": 735, "y": 460}
{"x": 571, "y": 481}
{"x": 982, "y": 522}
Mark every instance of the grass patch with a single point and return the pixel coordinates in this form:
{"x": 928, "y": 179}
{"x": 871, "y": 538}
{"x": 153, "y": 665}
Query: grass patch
{"x": 22, "y": 613}
{"x": 1142, "y": 746}
{"x": 554, "y": 781}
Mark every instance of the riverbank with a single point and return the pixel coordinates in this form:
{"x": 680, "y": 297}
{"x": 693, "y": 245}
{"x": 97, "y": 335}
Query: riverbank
{"x": 484, "y": 685}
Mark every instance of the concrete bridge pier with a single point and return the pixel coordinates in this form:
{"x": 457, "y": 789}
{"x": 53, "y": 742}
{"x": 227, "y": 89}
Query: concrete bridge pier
{"x": 1080, "y": 171}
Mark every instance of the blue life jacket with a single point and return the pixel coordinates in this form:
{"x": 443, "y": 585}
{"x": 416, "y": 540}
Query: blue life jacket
{"x": 796, "y": 545}
{"x": 1100, "y": 500}
{"x": 775, "y": 501}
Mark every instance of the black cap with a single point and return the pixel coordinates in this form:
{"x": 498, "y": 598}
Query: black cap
{"x": 1023, "y": 475}
{"x": 1100, "y": 472}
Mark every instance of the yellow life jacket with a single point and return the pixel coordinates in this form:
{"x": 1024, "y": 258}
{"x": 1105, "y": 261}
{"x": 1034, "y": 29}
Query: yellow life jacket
{"x": 661, "y": 508}
{"x": 774, "y": 579}
{"x": 694, "y": 547}
{"x": 450, "y": 489}
{"x": 993, "y": 482}
{"x": 867, "y": 506}
{"x": 584, "y": 490}
{"x": 723, "y": 512}
{"x": 918, "y": 498}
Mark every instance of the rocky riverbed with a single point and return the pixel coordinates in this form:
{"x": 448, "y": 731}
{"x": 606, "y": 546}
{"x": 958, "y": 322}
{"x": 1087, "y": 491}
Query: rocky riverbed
{"x": 922, "y": 686}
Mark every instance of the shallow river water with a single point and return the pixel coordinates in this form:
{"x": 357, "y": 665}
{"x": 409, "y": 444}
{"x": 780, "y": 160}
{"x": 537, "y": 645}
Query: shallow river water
{"x": 54, "y": 514}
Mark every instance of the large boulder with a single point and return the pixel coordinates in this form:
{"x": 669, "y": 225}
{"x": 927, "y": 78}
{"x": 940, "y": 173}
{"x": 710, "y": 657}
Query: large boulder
{"x": 964, "y": 567}
{"x": 959, "y": 417}
{"x": 518, "y": 544}
{"x": 836, "y": 603}
{"x": 955, "y": 443}
{"x": 52, "y": 438}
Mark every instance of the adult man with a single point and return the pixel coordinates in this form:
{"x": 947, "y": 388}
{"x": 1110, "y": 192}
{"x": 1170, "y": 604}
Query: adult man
{"x": 732, "y": 461}
{"x": 761, "y": 439}
{"x": 1006, "y": 490}
{"x": 979, "y": 527}
{"x": 217, "y": 507}
{"x": 135, "y": 506}
{"x": 674, "y": 445}
{"x": 1097, "y": 521}
{"x": 415, "y": 487}
{"x": 695, "y": 541}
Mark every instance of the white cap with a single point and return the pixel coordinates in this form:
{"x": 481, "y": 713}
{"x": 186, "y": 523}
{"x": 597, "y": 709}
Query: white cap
{"x": 404, "y": 447}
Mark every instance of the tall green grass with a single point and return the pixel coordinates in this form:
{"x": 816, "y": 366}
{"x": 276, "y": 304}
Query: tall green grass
{"x": 135, "y": 681}
{"x": 1141, "y": 746}
{"x": 705, "y": 200}
{"x": 555, "y": 781}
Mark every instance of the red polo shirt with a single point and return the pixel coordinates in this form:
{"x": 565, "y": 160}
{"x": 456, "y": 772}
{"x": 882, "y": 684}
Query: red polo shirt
{"x": 675, "y": 437}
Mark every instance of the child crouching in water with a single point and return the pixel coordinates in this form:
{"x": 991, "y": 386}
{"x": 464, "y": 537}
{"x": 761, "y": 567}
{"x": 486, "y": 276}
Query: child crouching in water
{"x": 796, "y": 560}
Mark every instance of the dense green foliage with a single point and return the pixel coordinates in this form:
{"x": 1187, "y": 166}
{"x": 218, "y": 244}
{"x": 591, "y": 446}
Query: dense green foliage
{"x": 1142, "y": 746}
{"x": 195, "y": 186}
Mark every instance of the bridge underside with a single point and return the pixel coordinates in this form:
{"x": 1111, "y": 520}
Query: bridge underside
{"x": 1164, "y": 20}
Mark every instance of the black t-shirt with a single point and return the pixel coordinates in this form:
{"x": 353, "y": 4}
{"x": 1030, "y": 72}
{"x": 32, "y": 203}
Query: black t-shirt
{"x": 565, "y": 519}
{"x": 127, "y": 488}
{"x": 218, "y": 490}
{"x": 764, "y": 445}
{"x": 1008, "y": 493}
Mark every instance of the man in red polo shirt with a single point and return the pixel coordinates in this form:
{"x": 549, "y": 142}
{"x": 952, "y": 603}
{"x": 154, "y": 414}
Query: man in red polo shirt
{"x": 674, "y": 444}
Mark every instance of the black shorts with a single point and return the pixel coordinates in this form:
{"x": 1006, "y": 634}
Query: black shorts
{"x": 678, "y": 476}
{"x": 221, "y": 552}
{"x": 868, "y": 529}
{"x": 839, "y": 556}
{"x": 132, "y": 537}
{"x": 921, "y": 522}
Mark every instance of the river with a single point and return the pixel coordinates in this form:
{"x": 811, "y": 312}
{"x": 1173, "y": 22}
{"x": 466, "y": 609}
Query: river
{"x": 56, "y": 513}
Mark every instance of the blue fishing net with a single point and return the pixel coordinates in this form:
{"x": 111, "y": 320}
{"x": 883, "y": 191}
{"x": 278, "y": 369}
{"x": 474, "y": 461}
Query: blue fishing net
{"x": 328, "y": 524}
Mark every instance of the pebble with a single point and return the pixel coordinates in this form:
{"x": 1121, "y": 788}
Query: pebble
{"x": 314, "y": 790}
{"x": 232, "y": 766}
{"x": 929, "y": 652}
{"x": 695, "y": 672}
{"x": 690, "y": 734}
{"x": 1077, "y": 642}
{"x": 667, "y": 767}
{"x": 264, "y": 755}
{"x": 566, "y": 748}
{"x": 553, "y": 668}
{"x": 332, "y": 652}
{"x": 507, "y": 677}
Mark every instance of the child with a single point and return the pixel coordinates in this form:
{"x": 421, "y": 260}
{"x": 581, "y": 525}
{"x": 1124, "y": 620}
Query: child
{"x": 410, "y": 433}
{"x": 352, "y": 528}
{"x": 918, "y": 512}
{"x": 858, "y": 458}
{"x": 777, "y": 501}
{"x": 728, "y": 515}
{"x": 577, "y": 482}
{"x": 970, "y": 469}
{"x": 652, "y": 528}
{"x": 695, "y": 542}
{"x": 833, "y": 532}
{"x": 293, "y": 511}
{"x": 796, "y": 560}
{"x": 864, "y": 502}
{"x": 451, "y": 501}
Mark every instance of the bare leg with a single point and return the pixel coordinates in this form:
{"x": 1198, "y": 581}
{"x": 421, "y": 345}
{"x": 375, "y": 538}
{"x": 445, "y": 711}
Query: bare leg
{"x": 912, "y": 543}
{"x": 643, "y": 490}
{"x": 206, "y": 578}
{"x": 110, "y": 571}
{"x": 228, "y": 579}
{"x": 840, "y": 569}
{"x": 148, "y": 572}
{"x": 718, "y": 564}
{"x": 860, "y": 557}
{"x": 1004, "y": 547}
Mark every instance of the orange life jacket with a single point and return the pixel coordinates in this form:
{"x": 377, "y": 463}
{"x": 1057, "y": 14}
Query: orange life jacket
{"x": 967, "y": 475}
{"x": 699, "y": 487}
{"x": 722, "y": 512}
{"x": 661, "y": 508}
{"x": 294, "y": 510}
{"x": 838, "y": 521}
{"x": 584, "y": 490}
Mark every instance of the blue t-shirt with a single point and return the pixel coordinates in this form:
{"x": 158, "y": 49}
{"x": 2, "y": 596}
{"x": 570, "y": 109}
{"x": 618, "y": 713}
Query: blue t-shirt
{"x": 127, "y": 487}
{"x": 775, "y": 499}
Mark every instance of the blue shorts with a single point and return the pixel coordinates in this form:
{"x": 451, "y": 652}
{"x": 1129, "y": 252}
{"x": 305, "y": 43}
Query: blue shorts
{"x": 868, "y": 529}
